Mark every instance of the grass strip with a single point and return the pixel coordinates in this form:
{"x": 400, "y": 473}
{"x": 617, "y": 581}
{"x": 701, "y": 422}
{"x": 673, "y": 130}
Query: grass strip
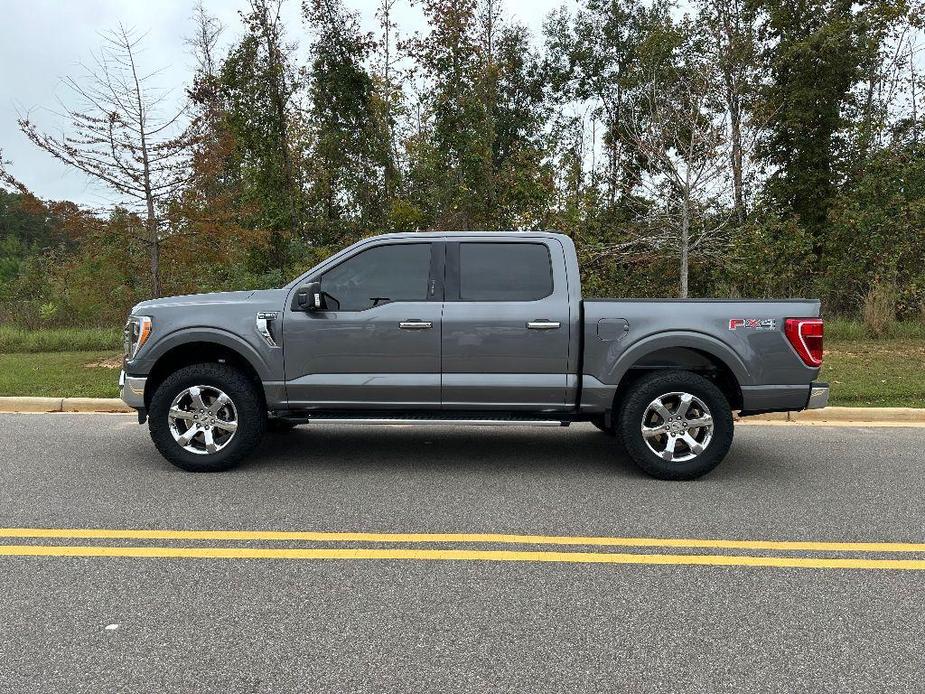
{"x": 16, "y": 340}
{"x": 91, "y": 374}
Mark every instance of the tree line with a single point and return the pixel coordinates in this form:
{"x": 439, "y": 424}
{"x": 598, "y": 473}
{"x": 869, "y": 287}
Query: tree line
{"x": 740, "y": 148}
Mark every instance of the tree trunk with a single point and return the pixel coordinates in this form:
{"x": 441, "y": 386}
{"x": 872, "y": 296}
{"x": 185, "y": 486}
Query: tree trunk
{"x": 728, "y": 39}
{"x": 154, "y": 244}
{"x": 387, "y": 42}
{"x": 685, "y": 244}
{"x": 912, "y": 85}
{"x": 279, "y": 97}
{"x": 735, "y": 113}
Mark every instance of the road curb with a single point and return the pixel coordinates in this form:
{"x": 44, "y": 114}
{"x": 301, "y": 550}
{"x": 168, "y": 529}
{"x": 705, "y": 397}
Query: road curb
{"x": 21, "y": 404}
{"x": 94, "y": 405}
{"x": 30, "y": 404}
{"x": 859, "y": 415}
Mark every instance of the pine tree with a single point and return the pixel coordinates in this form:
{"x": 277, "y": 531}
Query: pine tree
{"x": 350, "y": 150}
{"x": 257, "y": 83}
{"x": 814, "y": 53}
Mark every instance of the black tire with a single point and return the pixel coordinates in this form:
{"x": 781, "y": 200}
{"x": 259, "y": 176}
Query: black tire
{"x": 634, "y": 407}
{"x": 249, "y": 406}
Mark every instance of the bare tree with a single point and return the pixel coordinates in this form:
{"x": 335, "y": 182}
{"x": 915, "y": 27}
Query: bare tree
{"x": 116, "y": 135}
{"x": 887, "y": 95}
{"x": 680, "y": 134}
{"x": 490, "y": 21}
{"x": 390, "y": 88}
{"x": 732, "y": 28}
{"x": 8, "y": 181}
{"x": 202, "y": 45}
{"x": 203, "y": 42}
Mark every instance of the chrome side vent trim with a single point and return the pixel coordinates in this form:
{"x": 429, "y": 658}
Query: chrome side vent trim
{"x": 264, "y": 327}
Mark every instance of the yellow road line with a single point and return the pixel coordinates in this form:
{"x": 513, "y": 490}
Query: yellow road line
{"x": 458, "y": 555}
{"x": 308, "y": 536}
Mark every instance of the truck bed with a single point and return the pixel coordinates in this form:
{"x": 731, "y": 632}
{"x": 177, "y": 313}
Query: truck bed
{"x": 746, "y": 336}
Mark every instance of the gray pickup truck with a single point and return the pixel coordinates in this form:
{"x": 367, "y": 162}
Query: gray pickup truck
{"x": 483, "y": 328}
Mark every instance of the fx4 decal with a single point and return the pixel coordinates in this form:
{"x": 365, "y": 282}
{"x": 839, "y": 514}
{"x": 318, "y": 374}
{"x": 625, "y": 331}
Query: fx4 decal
{"x": 753, "y": 323}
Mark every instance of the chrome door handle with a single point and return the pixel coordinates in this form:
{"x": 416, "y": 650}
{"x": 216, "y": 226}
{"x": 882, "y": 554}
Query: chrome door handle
{"x": 415, "y": 325}
{"x": 543, "y": 325}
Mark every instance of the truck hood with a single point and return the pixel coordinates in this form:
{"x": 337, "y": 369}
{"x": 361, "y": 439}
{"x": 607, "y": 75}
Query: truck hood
{"x": 194, "y": 300}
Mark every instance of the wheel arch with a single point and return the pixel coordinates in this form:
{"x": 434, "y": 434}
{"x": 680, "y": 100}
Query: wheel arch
{"x": 184, "y": 349}
{"x": 684, "y": 352}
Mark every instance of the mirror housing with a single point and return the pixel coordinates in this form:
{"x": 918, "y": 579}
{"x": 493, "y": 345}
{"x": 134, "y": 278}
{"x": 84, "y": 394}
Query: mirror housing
{"x": 308, "y": 297}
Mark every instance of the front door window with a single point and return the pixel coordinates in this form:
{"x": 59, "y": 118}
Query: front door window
{"x": 377, "y": 276}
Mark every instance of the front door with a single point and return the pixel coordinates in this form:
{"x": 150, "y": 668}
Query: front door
{"x": 376, "y": 344}
{"x": 505, "y": 326}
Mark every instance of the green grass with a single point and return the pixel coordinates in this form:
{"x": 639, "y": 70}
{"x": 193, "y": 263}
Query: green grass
{"x": 862, "y": 373}
{"x": 60, "y": 374}
{"x": 16, "y": 340}
{"x": 882, "y": 373}
{"x": 840, "y": 329}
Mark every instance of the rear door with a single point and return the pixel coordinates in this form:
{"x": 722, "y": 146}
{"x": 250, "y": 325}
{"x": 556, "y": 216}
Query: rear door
{"x": 377, "y": 343}
{"x": 505, "y": 325}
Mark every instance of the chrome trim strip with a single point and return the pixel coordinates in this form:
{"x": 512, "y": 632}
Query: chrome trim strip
{"x": 438, "y": 422}
{"x": 264, "y": 318}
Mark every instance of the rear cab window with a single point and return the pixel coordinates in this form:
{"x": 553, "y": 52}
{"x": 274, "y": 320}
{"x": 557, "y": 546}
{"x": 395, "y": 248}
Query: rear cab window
{"x": 499, "y": 271}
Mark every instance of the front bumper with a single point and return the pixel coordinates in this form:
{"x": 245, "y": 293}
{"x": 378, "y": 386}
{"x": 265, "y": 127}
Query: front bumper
{"x": 132, "y": 390}
{"x": 818, "y": 396}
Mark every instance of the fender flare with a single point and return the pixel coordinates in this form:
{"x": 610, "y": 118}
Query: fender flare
{"x": 678, "y": 338}
{"x": 184, "y": 336}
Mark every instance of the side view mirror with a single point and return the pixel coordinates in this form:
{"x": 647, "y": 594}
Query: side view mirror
{"x": 308, "y": 297}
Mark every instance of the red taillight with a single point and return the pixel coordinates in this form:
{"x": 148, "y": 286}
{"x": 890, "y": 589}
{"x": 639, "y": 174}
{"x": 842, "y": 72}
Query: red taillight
{"x": 805, "y": 335}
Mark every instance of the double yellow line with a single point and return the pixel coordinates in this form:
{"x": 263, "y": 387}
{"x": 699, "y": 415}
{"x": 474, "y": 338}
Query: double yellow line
{"x": 786, "y": 554}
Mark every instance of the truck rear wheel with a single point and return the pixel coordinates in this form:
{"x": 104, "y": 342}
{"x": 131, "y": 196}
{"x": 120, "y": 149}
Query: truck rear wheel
{"x": 206, "y": 417}
{"x": 676, "y": 425}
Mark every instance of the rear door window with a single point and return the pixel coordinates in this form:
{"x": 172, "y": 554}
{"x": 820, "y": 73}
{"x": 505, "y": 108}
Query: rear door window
{"x": 504, "y": 272}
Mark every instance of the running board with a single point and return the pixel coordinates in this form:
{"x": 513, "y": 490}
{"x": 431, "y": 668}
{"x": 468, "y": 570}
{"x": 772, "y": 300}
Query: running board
{"x": 439, "y": 422}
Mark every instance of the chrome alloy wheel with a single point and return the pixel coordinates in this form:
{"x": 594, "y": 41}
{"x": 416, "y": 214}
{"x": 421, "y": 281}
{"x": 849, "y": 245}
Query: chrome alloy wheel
{"x": 677, "y": 427}
{"x": 202, "y": 419}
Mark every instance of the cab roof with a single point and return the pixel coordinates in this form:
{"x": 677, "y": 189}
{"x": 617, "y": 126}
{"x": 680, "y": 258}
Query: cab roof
{"x": 466, "y": 234}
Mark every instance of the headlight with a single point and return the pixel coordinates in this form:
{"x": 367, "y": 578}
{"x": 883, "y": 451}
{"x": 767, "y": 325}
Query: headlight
{"x": 136, "y": 333}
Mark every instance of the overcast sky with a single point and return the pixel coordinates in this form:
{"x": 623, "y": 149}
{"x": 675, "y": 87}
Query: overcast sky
{"x": 41, "y": 41}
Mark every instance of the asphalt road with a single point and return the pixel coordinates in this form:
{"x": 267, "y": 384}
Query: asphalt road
{"x": 345, "y": 625}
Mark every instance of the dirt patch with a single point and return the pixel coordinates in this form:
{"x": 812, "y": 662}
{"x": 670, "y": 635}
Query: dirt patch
{"x": 872, "y": 350}
{"x": 105, "y": 363}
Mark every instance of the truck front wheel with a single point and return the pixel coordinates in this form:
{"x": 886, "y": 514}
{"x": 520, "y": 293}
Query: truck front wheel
{"x": 676, "y": 425}
{"x": 206, "y": 417}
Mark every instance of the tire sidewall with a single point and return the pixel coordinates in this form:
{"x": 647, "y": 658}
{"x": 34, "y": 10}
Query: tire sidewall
{"x": 651, "y": 387}
{"x": 249, "y": 408}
